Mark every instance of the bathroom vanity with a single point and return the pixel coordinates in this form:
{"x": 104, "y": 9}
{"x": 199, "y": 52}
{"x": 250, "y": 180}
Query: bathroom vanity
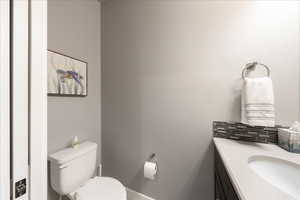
{"x": 223, "y": 186}
{"x": 255, "y": 171}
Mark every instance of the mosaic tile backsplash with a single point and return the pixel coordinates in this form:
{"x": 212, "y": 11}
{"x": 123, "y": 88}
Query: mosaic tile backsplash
{"x": 289, "y": 140}
{"x": 244, "y": 132}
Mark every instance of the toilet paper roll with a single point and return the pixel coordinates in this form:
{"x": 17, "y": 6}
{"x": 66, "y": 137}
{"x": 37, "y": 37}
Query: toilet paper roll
{"x": 150, "y": 170}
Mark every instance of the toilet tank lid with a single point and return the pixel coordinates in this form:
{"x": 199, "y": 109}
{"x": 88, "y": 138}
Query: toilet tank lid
{"x": 68, "y": 154}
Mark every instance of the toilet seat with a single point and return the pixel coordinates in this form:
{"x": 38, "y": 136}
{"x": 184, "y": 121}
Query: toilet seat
{"x": 100, "y": 188}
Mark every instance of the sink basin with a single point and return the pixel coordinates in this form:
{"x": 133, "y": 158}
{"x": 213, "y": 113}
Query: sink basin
{"x": 280, "y": 173}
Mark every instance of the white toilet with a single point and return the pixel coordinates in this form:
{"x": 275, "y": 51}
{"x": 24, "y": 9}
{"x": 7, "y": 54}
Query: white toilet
{"x": 72, "y": 170}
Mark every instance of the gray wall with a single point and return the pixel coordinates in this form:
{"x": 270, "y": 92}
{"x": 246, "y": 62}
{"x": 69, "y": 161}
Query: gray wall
{"x": 172, "y": 67}
{"x": 74, "y": 30}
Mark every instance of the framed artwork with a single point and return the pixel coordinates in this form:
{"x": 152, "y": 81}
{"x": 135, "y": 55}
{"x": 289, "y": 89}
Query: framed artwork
{"x": 67, "y": 76}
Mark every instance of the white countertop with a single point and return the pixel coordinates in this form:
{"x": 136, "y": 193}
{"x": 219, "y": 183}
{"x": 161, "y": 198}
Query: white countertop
{"x": 247, "y": 183}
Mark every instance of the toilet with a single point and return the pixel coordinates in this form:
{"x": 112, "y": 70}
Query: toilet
{"x": 72, "y": 171}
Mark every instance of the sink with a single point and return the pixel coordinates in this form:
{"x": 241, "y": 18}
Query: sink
{"x": 280, "y": 173}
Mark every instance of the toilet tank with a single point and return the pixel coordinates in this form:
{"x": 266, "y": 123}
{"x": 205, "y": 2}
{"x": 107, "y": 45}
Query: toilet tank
{"x": 72, "y": 167}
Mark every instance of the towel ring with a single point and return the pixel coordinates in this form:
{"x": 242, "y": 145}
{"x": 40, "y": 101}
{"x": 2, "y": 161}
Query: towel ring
{"x": 252, "y": 66}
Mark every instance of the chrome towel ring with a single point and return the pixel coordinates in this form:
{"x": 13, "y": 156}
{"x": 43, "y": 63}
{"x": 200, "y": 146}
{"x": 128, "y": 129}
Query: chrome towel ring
{"x": 252, "y": 66}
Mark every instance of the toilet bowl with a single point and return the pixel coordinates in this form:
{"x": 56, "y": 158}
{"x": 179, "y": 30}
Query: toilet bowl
{"x": 100, "y": 188}
{"x": 72, "y": 172}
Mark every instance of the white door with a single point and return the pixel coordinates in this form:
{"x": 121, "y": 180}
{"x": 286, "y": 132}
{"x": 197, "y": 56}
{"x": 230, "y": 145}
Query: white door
{"x": 19, "y": 98}
{"x": 4, "y": 100}
{"x": 23, "y": 99}
{"x": 13, "y": 100}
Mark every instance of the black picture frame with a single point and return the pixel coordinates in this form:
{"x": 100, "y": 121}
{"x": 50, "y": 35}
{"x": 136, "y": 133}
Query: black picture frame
{"x": 86, "y": 78}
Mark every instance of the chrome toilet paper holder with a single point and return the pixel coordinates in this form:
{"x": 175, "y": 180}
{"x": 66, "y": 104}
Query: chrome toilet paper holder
{"x": 152, "y": 158}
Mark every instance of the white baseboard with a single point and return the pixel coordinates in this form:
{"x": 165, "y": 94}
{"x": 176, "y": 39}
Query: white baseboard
{"x": 133, "y": 195}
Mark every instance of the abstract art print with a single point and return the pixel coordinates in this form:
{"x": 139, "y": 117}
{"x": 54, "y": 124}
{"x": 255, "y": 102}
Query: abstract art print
{"x": 67, "y": 76}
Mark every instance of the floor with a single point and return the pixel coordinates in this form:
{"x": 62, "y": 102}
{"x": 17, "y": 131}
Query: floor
{"x": 132, "y": 195}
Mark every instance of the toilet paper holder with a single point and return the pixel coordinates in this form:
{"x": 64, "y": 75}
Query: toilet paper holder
{"x": 152, "y": 158}
{"x": 150, "y": 165}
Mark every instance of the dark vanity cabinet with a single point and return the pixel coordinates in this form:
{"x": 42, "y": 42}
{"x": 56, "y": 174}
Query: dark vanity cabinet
{"x": 224, "y": 189}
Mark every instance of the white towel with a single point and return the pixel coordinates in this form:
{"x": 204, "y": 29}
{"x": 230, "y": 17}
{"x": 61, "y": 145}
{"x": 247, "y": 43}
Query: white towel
{"x": 258, "y": 102}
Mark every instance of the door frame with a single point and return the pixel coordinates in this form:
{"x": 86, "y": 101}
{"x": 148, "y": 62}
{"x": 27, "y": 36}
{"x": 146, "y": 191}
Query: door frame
{"x": 5, "y": 99}
{"x": 38, "y": 99}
